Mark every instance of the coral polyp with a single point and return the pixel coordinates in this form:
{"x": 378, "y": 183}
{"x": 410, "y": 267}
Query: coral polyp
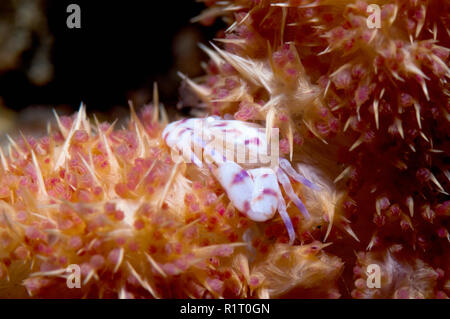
{"x": 402, "y": 277}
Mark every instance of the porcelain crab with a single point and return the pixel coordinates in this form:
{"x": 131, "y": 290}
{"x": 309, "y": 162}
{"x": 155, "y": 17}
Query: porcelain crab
{"x": 252, "y": 186}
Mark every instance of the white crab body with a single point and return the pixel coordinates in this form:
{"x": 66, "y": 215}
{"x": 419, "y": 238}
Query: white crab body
{"x": 252, "y": 187}
{"x": 207, "y": 134}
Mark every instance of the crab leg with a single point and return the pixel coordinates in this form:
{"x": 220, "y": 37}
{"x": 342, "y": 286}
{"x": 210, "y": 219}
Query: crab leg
{"x": 287, "y": 220}
{"x": 284, "y": 180}
{"x": 267, "y": 197}
{"x": 287, "y": 167}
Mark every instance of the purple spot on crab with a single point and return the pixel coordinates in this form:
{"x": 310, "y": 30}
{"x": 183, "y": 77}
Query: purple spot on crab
{"x": 181, "y": 132}
{"x": 166, "y": 136}
{"x": 232, "y": 131}
{"x": 252, "y": 141}
{"x": 246, "y": 206}
{"x": 239, "y": 177}
{"x": 269, "y": 191}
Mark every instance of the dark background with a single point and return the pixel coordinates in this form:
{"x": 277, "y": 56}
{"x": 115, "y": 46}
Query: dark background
{"x": 122, "y": 47}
